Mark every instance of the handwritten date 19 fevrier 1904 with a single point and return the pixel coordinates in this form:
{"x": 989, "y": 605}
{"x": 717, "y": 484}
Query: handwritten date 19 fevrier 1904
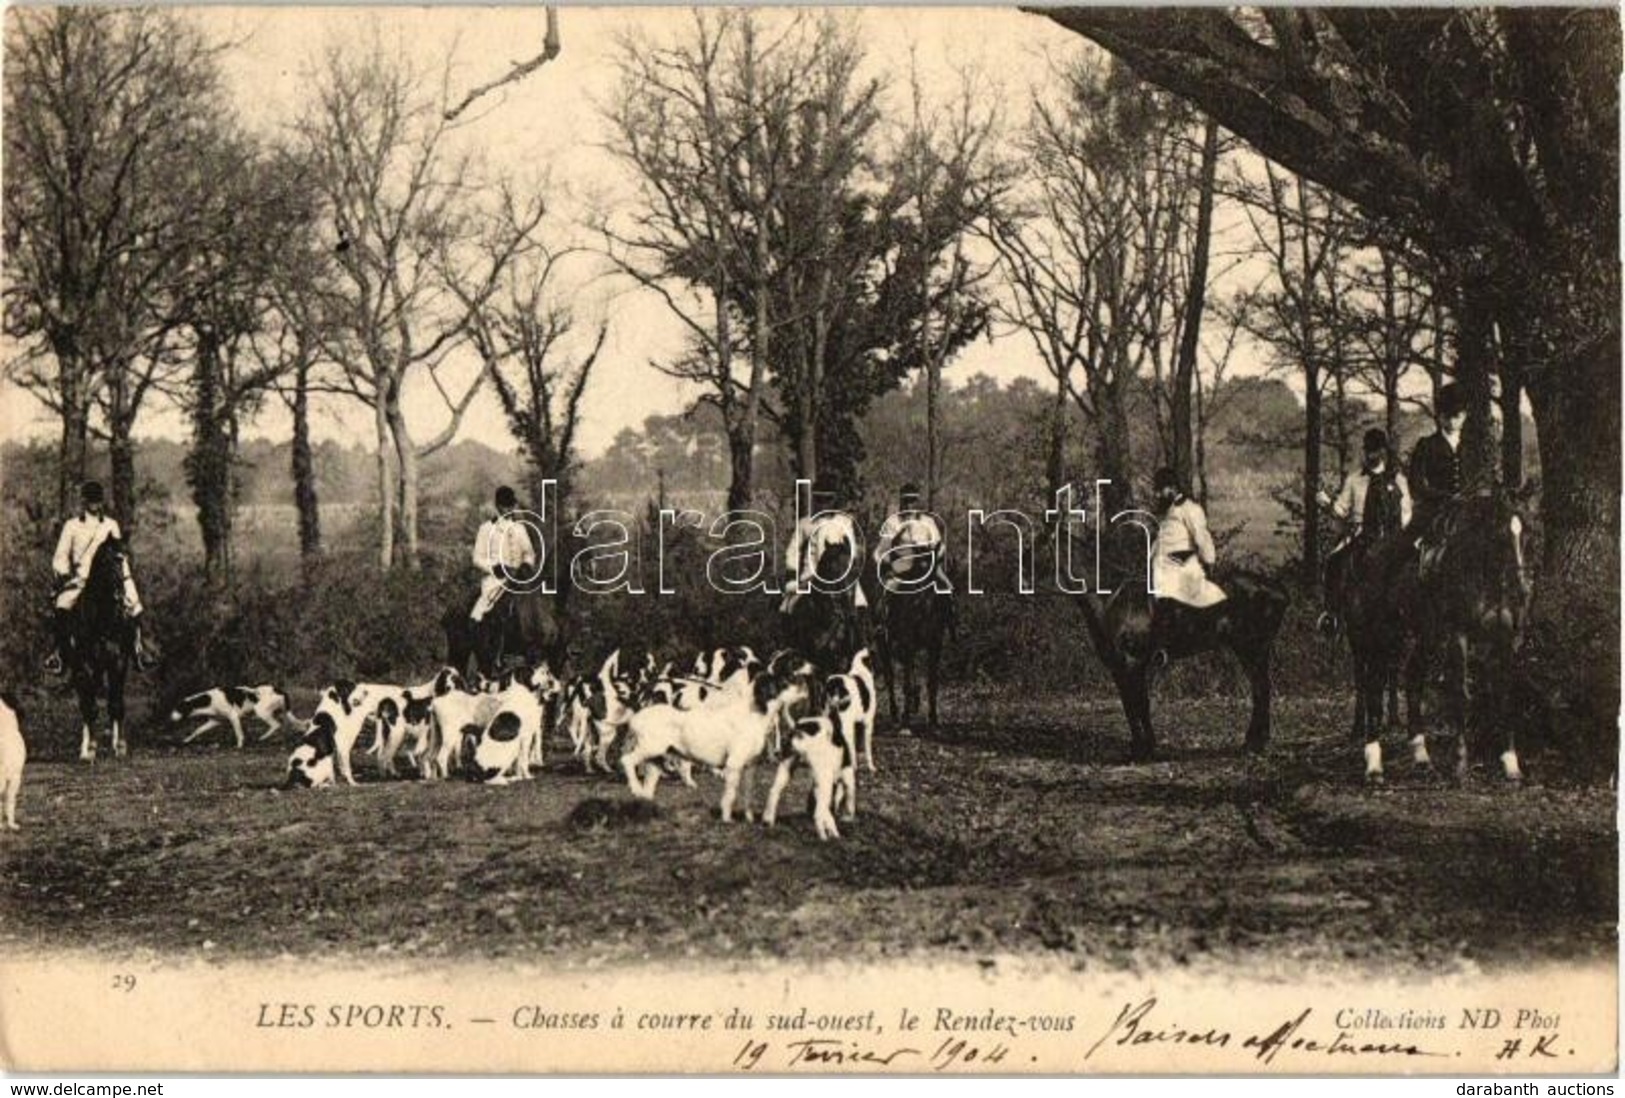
{"x": 817, "y": 1053}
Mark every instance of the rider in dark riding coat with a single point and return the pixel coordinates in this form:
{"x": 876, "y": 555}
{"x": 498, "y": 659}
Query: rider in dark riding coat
{"x": 1435, "y": 470}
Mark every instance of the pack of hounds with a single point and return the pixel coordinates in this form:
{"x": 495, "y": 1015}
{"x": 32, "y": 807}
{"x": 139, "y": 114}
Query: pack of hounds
{"x": 729, "y": 712}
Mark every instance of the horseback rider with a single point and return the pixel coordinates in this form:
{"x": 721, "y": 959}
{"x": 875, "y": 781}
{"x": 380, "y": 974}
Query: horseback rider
{"x": 1373, "y": 503}
{"x": 909, "y": 536}
{"x": 1184, "y": 548}
{"x": 502, "y": 550}
{"x": 826, "y": 529}
{"x": 82, "y": 535}
{"x": 1435, "y": 471}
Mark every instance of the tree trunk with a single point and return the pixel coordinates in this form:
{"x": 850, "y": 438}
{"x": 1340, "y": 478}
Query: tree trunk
{"x": 741, "y": 462}
{"x": 1475, "y": 365}
{"x": 408, "y": 472}
{"x": 1311, "y": 470}
{"x": 304, "y": 466}
{"x": 1056, "y": 465}
{"x": 208, "y": 466}
{"x": 72, "y": 451}
{"x": 1195, "y": 300}
{"x": 1515, "y": 354}
{"x": 121, "y": 448}
{"x": 386, "y": 484}
{"x": 1574, "y": 643}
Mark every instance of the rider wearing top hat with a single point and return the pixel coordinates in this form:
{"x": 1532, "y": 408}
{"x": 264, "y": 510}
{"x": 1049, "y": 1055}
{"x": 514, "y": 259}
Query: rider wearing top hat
{"x": 1435, "y": 467}
{"x": 1435, "y": 471}
{"x": 1374, "y": 502}
{"x": 82, "y": 535}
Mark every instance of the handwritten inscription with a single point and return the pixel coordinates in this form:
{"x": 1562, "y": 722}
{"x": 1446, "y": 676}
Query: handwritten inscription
{"x": 1139, "y": 1024}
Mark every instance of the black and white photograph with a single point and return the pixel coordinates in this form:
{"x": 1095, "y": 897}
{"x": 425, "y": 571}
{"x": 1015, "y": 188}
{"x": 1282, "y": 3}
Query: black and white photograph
{"x": 771, "y": 540}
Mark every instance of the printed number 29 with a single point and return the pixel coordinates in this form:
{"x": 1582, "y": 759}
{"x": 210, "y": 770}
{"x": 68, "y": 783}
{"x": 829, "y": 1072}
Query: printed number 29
{"x": 124, "y": 981}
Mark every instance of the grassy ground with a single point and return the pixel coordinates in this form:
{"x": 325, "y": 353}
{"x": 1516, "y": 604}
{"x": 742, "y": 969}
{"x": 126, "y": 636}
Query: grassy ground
{"x": 1021, "y": 829}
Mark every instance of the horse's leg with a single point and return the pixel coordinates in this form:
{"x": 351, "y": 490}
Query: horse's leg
{"x": 85, "y": 689}
{"x": 1134, "y": 687}
{"x": 1257, "y": 665}
{"x": 933, "y": 665}
{"x": 1414, "y": 673}
{"x": 1371, "y": 743}
{"x": 115, "y": 706}
{"x": 1460, "y": 695}
{"x": 1510, "y": 767}
{"x": 1396, "y": 668}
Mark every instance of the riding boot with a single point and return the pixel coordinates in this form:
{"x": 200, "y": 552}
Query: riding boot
{"x": 61, "y": 634}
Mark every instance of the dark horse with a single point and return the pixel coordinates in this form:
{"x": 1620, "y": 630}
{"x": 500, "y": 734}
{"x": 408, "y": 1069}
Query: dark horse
{"x": 827, "y": 627}
{"x": 1379, "y": 614}
{"x": 913, "y": 623}
{"x": 1134, "y": 635}
{"x": 1472, "y": 599}
{"x": 99, "y": 647}
{"x": 520, "y": 629}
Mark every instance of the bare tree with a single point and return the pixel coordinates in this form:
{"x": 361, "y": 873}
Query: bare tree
{"x": 1491, "y": 136}
{"x": 405, "y": 211}
{"x": 1302, "y": 231}
{"x": 523, "y": 332}
{"x": 1090, "y": 252}
{"x": 944, "y": 166}
{"x": 103, "y": 107}
{"x": 704, "y": 123}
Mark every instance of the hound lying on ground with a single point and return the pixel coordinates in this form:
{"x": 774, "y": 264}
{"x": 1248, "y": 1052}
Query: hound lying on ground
{"x": 233, "y": 705}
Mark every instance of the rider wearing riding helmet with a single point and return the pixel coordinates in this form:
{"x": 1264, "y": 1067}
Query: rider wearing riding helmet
{"x": 82, "y": 535}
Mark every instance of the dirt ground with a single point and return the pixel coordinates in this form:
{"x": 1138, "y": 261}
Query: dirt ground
{"x": 1021, "y": 829}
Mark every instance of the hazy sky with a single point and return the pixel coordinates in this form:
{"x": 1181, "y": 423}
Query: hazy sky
{"x": 548, "y": 126}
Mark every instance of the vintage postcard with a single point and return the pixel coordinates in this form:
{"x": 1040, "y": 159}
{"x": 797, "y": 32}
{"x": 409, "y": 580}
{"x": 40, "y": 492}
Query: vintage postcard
{"x": 773, "y": 540}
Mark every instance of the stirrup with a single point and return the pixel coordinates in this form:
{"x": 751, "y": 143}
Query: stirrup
{"x": 55, "y": 665}
{"x": 1327, "y": 624}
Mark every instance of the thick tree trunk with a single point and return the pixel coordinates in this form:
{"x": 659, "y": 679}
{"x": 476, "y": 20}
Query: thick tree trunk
{"x": 72, "y": 451}
{"x": 1195, "y": 301}
{"x": 741, "y": 462}
{"x": 208, "y": 466}
{"x": 1475, "y": 365}
{"x": 121, "y": 449}
{"x": 1575, "y": 629}
{"x": 304, "y": 467}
